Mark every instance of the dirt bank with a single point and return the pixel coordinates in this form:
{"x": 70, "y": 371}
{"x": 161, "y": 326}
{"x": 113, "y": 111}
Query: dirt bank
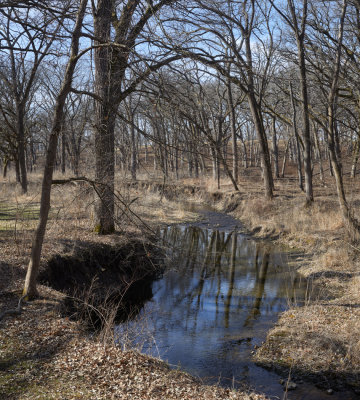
{"x": 46, "y": 355}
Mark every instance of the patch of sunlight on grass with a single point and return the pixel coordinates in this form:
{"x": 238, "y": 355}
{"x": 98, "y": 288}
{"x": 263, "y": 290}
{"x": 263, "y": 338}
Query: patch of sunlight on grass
{"x": 18, "y": 216}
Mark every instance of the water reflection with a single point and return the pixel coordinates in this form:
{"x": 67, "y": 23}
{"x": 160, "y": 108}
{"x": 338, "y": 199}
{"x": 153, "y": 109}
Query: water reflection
{"x": 220, "y": 294}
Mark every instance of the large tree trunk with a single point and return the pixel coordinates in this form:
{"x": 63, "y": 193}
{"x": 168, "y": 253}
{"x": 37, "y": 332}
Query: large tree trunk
{"x": 31, "y": 277}
{"x": 105, "y": 114}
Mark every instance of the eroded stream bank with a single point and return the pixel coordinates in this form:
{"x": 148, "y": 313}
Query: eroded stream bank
{"x": 208, "y": 299}
{"x": 221, "y": 293}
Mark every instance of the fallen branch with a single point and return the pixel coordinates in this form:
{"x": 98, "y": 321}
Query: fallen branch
{"x": 70, "y": 180}
{"x": 14, "y": 311}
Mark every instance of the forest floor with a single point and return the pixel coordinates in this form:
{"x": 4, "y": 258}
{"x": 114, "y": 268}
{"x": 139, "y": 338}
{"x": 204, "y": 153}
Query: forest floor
{"x": 46, "y": 356}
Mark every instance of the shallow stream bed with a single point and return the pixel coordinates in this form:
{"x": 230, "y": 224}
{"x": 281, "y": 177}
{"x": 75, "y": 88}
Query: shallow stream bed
{"x": 220, "y": 294}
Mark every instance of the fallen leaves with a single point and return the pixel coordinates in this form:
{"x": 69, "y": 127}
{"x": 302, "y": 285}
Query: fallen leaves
{"x": 53, "y": 358}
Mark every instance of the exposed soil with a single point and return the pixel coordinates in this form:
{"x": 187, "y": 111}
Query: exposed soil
{"x": 104, "y": 276}
{"x": 46, "y": 355}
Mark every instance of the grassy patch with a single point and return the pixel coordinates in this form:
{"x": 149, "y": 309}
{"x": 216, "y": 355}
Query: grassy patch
{"x": 18, "y": 216}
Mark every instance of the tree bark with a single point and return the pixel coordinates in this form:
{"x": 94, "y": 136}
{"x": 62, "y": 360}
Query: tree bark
{"x": 20, "y": 128}
{"x": 297, "y": 141}
{"x": 235, "y": 159}
{"x": 265, "y": 156}
{"x": 275, "y": 150}
{"x": 105, "y": 114}
{"x": 30, "y": 289}
{"x": 355, "y": 158}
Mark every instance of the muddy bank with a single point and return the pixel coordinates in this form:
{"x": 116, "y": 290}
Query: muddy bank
{"x": 98, "y": 277}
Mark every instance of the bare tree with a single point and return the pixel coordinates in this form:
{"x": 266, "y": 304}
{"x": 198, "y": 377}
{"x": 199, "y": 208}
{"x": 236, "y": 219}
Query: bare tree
{"x": 117, "y": 31}
{"x": 296, "y": 19}
{"x": 27, "y": 44}
{"x": 228, "y": 29}
{"x": 30, "y": 289}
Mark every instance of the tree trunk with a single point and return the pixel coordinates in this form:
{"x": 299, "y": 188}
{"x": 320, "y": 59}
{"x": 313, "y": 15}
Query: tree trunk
{"x": 5, "y": 167}
{"x": 105, "y": 114}
{"x": 300, "y": 38}
{"x": 265, "y": 156}
{"x": 284, "y": 159}
{"x": 63, "y": 151}
{"x": 317, "y": 145}
{"x": 297, "y": 141}
{"x": 235, "y": 159}
{"x": 30, "y": 288}
{"x": 275, "y": 150}
{"x": 20, "y": 111}
{"x": 355, "y": 158}
{"x": 133, "y": 152}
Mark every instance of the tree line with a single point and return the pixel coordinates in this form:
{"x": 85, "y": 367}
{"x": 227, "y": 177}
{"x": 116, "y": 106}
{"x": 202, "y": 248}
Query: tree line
{"x": 203, "y": 84}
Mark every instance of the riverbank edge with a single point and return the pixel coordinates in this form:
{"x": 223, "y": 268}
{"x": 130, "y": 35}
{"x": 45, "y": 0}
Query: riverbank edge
{"x": 319, "y": 251}
{"x": 229, "y": 202}
{"x": 306, "y": 256}
{"x": 46, "y": 355}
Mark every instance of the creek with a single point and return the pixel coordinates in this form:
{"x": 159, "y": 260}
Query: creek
{"x": 220, "y": 294}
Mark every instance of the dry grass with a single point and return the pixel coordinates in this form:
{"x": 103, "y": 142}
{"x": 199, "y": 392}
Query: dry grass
{"x": 153, "y": 207}
{"x": 45, "y": 356}
{"x": 321, "y": 338}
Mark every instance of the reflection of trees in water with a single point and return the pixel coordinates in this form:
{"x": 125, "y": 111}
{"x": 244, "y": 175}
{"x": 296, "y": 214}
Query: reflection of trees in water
{"x": 261, "y": 274}
{"x": 232, "y": 279}
{"x": 222, "y": 270}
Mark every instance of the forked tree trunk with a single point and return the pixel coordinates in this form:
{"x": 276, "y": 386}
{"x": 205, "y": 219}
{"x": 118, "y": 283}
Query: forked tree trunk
{"x": 30, "y": 288}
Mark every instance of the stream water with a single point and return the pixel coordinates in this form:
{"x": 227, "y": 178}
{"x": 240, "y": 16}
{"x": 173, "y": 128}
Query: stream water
{"x": 220, "y": 294}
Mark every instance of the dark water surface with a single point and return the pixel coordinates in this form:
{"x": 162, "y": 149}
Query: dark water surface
{"x": 220, "y": 294}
